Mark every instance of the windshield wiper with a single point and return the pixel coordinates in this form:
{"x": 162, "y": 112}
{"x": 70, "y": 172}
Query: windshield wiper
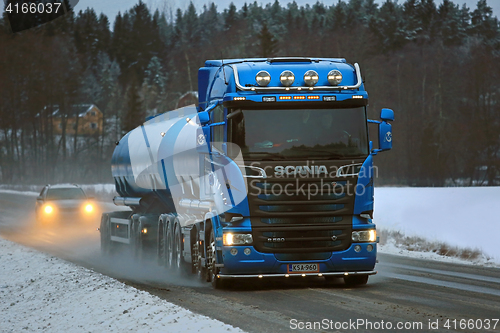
{"x": 267, "y": 154}
{"x": 326, "y": 152}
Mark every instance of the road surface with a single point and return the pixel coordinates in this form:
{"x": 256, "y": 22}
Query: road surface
{"x": 407, "y": 295}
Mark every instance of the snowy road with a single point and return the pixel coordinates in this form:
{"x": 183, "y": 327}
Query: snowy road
{"x": 406, "y": 291}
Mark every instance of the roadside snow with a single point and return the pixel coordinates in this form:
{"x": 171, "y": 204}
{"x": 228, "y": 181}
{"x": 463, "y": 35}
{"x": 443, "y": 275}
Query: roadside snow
{"x": 396, "y": 249}
{"x": 460, "y": 216}
{"x": 29, "y": 193}
{"x": 39, "y": 292}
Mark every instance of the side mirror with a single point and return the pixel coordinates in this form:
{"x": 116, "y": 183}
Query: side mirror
{"x": 384, "y": 136}
{"x": 90, "y": 197}
{"x": 384, "y": 131}
{"x": 39, "y": 198}
{"x": 204, "y": 117}
{"x": 387, "y": 115}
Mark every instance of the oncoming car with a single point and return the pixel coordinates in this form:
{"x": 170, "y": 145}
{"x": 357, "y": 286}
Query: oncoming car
{"x": 64, "y": 203}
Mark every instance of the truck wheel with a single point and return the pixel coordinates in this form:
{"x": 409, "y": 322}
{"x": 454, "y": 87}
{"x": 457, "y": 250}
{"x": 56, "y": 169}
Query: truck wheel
{"x": 202, "y": 271}
{"x": 355, "y": 280}
{"x": 330, "y": 279}
{"x": 177, "y": 253}
{"x": 138, "y": 246}
{"x": 169, "y": 245}
{"x": 198, "y": 252}
{"x": 217, "y": 283}
{"x": 137, "y": 241}
{"x": 105, "y": 238}
{"x": 160, "y": 241}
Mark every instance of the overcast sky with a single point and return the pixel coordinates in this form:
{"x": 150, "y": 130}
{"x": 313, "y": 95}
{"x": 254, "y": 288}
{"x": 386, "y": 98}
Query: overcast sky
{"x": 112, "y": 7}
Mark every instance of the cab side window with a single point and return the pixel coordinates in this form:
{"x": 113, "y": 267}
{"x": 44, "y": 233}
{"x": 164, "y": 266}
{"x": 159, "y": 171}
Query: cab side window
{"x": 218, "y": 131}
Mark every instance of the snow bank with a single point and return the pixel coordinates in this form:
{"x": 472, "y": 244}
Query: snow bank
{"x": 104, "y": 192}
{"x": 459, "y": 216}
{"x": 39, "y": 292}
{"x": 28, "y": 193}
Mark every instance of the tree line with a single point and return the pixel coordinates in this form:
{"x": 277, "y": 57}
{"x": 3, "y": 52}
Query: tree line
{"x": 437, "y": 66}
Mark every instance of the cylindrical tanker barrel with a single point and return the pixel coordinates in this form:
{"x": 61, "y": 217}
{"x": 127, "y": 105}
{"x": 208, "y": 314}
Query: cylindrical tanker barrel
{"x": 160, "y": 155}
{"x": 165, "y": 155}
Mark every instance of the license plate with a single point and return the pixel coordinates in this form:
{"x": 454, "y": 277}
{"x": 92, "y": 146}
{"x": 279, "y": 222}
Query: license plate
{"x": 303, "y": 268}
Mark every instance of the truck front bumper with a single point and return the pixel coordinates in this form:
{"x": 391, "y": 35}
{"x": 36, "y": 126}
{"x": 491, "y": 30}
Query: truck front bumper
{"x": 339, "y": 274}
{"x": 258, "y": 264}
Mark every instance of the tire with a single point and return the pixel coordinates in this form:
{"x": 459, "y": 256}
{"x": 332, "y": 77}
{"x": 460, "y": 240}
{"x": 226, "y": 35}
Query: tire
{"x": 160, "y": 243}
{"x": 177, "y": 251}
{"x": 138, "y": 245}
{"x": 201, "y": 271}
{"x": 330, "y": 279}
{"x": 169, "y": 246}
{"x": 105, "y": 237}
{"x": 217, "y": 283}
{"x": 355, "y": 280}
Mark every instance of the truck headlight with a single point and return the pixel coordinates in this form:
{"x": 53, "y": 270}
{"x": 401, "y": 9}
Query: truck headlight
{"x": 237, "y": 239}
{"x": 364, "y": 236}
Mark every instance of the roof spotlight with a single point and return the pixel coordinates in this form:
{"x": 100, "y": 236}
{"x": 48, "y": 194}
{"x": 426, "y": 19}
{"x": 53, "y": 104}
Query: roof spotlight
{"x": 334, "y": 77}
{"x": 311, "y": 78}
{"x": 287, "y": 78}
{"x": 263, "y": 78}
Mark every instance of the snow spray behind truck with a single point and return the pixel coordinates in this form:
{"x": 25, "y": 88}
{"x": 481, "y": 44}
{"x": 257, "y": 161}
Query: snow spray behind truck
{"x": 271, "y": 175}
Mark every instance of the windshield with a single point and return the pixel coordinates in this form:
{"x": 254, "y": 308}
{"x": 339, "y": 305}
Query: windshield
{"x": 300, "y": 133}
{"x": 65, "y": 194}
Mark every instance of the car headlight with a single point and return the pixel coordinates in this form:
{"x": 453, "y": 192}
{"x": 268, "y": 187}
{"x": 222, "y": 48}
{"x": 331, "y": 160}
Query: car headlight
{"x": 237, "y": 239}
{"x": 89, "y": 208}
{"x": 48, "y": 209}
{"x": 364, "y": 236}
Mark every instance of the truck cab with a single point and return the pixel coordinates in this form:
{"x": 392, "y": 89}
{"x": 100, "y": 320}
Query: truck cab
{"x": 301, "y": 128}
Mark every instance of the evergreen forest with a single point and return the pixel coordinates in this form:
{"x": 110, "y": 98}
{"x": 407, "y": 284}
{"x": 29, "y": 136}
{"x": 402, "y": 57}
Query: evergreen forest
{"x": 436, "y": 65}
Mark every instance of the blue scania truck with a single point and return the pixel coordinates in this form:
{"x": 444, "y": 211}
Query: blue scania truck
{"x": 270, "y": 175}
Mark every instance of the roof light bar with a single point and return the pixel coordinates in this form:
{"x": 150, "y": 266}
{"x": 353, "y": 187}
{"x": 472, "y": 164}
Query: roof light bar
{"x": 265, "y": 78}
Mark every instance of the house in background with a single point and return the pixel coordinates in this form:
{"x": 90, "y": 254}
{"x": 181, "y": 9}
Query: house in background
{"x": 90, "y": 119}
{"x": 189, "y": 98}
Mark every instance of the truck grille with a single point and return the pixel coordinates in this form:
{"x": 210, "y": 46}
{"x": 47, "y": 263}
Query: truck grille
{"x": 302, "y": 239}
{"x": 281, "y": 198}
{"x": 304, "y": 219}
